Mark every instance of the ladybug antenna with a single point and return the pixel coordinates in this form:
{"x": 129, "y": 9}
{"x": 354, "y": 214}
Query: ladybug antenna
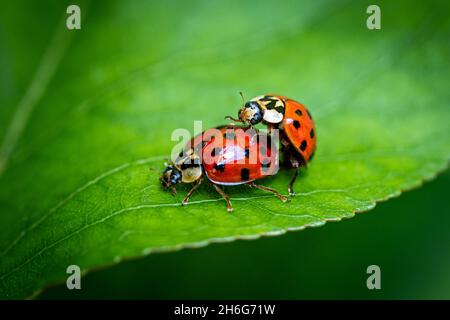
{"x": 243, "y": 104}
{"x": 242, "y": 96}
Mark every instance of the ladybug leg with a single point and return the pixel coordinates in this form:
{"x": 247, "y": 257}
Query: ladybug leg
{"x": 166, "y": 186}
{"x": 234, "y": 119}
{"x": 224, "y": 195}
{"x": 275, "y": 192}
{"x": 294, "y": 164}
{"x": 186, "y": 199}
{"x": 291, "y": 183}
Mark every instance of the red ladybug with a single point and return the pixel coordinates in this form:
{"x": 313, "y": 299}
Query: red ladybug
{"x": 297, "y": 129}
{"x": 228, "y": 156}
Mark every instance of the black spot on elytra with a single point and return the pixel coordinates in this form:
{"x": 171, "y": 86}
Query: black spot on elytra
{"x": 311, "y": 133}
{"x": 247, "y": 152}
{"x": 303, "y": 145}
{"x": 296, "y": 124}
{"x": 205, "y": 141}
{"x": 309, "y": 114}
{"x": 265, "y": 164}
{"x": 299, "y": 112}
{"x": 219, "y": 167}
{"x": 215, "y": 151}
{"x": 245, "y": 174}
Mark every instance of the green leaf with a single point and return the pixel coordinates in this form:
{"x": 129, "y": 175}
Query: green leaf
{"x": 86, "y": 113}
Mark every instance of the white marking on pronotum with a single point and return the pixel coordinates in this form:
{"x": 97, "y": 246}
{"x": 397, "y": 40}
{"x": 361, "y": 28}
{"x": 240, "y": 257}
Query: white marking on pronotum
{"x": 44, "y": 73}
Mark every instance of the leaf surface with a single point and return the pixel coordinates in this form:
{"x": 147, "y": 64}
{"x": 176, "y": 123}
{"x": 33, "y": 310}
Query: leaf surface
{"x": 87, "y": 113}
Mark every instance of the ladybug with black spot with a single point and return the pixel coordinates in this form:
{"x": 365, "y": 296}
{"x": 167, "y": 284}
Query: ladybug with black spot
{"x": 297, "y": 129}
{"x": 227, "y": 156}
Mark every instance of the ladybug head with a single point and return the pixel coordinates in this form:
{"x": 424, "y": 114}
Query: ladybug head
{"x": 251, "y": 113}
{"x": 170, "y": 176}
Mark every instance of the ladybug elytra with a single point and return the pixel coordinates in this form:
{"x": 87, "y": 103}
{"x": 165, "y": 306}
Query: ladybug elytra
{"x": 227, "y": 156}
{"x": 297, "y": 129}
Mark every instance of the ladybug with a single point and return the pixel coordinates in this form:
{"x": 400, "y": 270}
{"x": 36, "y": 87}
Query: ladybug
{"x": 226, "y": 156}
{"x": 297, "y": 129}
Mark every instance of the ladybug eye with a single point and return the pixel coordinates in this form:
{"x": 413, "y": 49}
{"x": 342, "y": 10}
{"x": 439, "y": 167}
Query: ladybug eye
{"x": 175, "y": 177}
{"x": 251, "y": 105}
{"x": 254, "y": 113}
{"x": 170, "y": 176}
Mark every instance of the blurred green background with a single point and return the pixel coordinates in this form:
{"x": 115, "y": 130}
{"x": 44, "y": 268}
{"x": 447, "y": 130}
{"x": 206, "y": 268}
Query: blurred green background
{"x": 408, "y": 237}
